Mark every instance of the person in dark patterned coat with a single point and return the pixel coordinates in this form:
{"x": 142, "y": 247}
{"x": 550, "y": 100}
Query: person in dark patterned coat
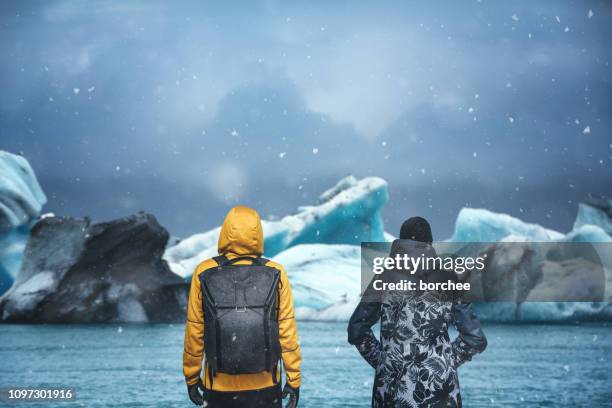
{"x": 415, "y": 361}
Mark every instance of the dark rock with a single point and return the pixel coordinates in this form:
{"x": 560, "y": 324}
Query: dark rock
{"x": 78, "y": 272}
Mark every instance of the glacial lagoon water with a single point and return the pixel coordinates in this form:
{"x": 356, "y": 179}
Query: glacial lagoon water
{"x": 140, "y": 365}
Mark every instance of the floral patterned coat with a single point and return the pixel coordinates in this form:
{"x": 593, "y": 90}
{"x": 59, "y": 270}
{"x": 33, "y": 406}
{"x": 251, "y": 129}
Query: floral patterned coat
{"x": 415, "y": 360}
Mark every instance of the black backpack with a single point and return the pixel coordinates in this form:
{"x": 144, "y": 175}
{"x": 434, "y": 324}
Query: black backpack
{"x": 241, "y": 317}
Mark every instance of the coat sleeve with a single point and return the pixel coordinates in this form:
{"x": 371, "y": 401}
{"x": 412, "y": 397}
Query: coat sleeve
{"x": 193, "y": 350}
{"x": 360, "y": 332}
{"x": 471, "y": 339}
{"x": 287, "y": 330}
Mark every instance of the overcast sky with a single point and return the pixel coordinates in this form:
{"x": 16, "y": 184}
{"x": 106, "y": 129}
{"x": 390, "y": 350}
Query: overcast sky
{"x": 185, "y": 109}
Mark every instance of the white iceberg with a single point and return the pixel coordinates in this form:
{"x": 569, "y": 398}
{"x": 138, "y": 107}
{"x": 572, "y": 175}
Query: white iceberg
{"x": 340, "y": 311}
{"x": 322, "y": 274}
{"x": 348, "y": 213}
{"x": 21, "y": 200}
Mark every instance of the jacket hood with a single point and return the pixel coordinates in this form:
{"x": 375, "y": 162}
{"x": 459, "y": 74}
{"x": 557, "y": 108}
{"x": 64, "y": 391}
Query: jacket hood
{"x": 241, "y": 233}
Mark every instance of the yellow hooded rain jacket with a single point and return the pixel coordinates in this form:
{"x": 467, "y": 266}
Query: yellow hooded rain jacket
{"x": 241, "y": 235}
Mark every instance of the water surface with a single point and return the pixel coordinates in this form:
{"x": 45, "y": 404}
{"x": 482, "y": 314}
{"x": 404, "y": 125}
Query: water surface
{"x": 140, "y": 365}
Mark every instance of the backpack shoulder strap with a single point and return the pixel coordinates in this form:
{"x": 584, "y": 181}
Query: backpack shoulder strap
{"x": 220, "y": 260}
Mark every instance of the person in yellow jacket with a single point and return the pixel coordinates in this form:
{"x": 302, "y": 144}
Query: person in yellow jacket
{"x": 241, "y": 243}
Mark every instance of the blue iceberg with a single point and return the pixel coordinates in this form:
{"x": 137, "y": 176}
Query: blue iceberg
{"x": 319, "y": 247}
{"x": 348, "y": 213}
{"x": 320, "y": 272}
{"x": 480, "y": 225}
{"x": 596, "y": 212}
{"x": 21, "y": 201}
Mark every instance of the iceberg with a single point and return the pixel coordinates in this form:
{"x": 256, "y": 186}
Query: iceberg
{"x": 596, "y": 212}
{"x": 122, "y": 270}
{"x": 348, "y": 213}
{"x": 322, "y": 257}
{"x": 340, "y": 311}
{"x": 322, "y": 274}
{"x": 480, "y": 225}
{"x": 326, "y": 278}
{"x": 587, "y": 233}
{"x": 21, "y": 201}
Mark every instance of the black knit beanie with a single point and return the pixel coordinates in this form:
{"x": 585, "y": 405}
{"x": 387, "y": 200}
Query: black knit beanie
{"x": 416, "y": 229}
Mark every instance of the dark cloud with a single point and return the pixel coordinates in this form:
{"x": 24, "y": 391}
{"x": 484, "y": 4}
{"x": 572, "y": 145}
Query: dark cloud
{"x": 185, "y": 109}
